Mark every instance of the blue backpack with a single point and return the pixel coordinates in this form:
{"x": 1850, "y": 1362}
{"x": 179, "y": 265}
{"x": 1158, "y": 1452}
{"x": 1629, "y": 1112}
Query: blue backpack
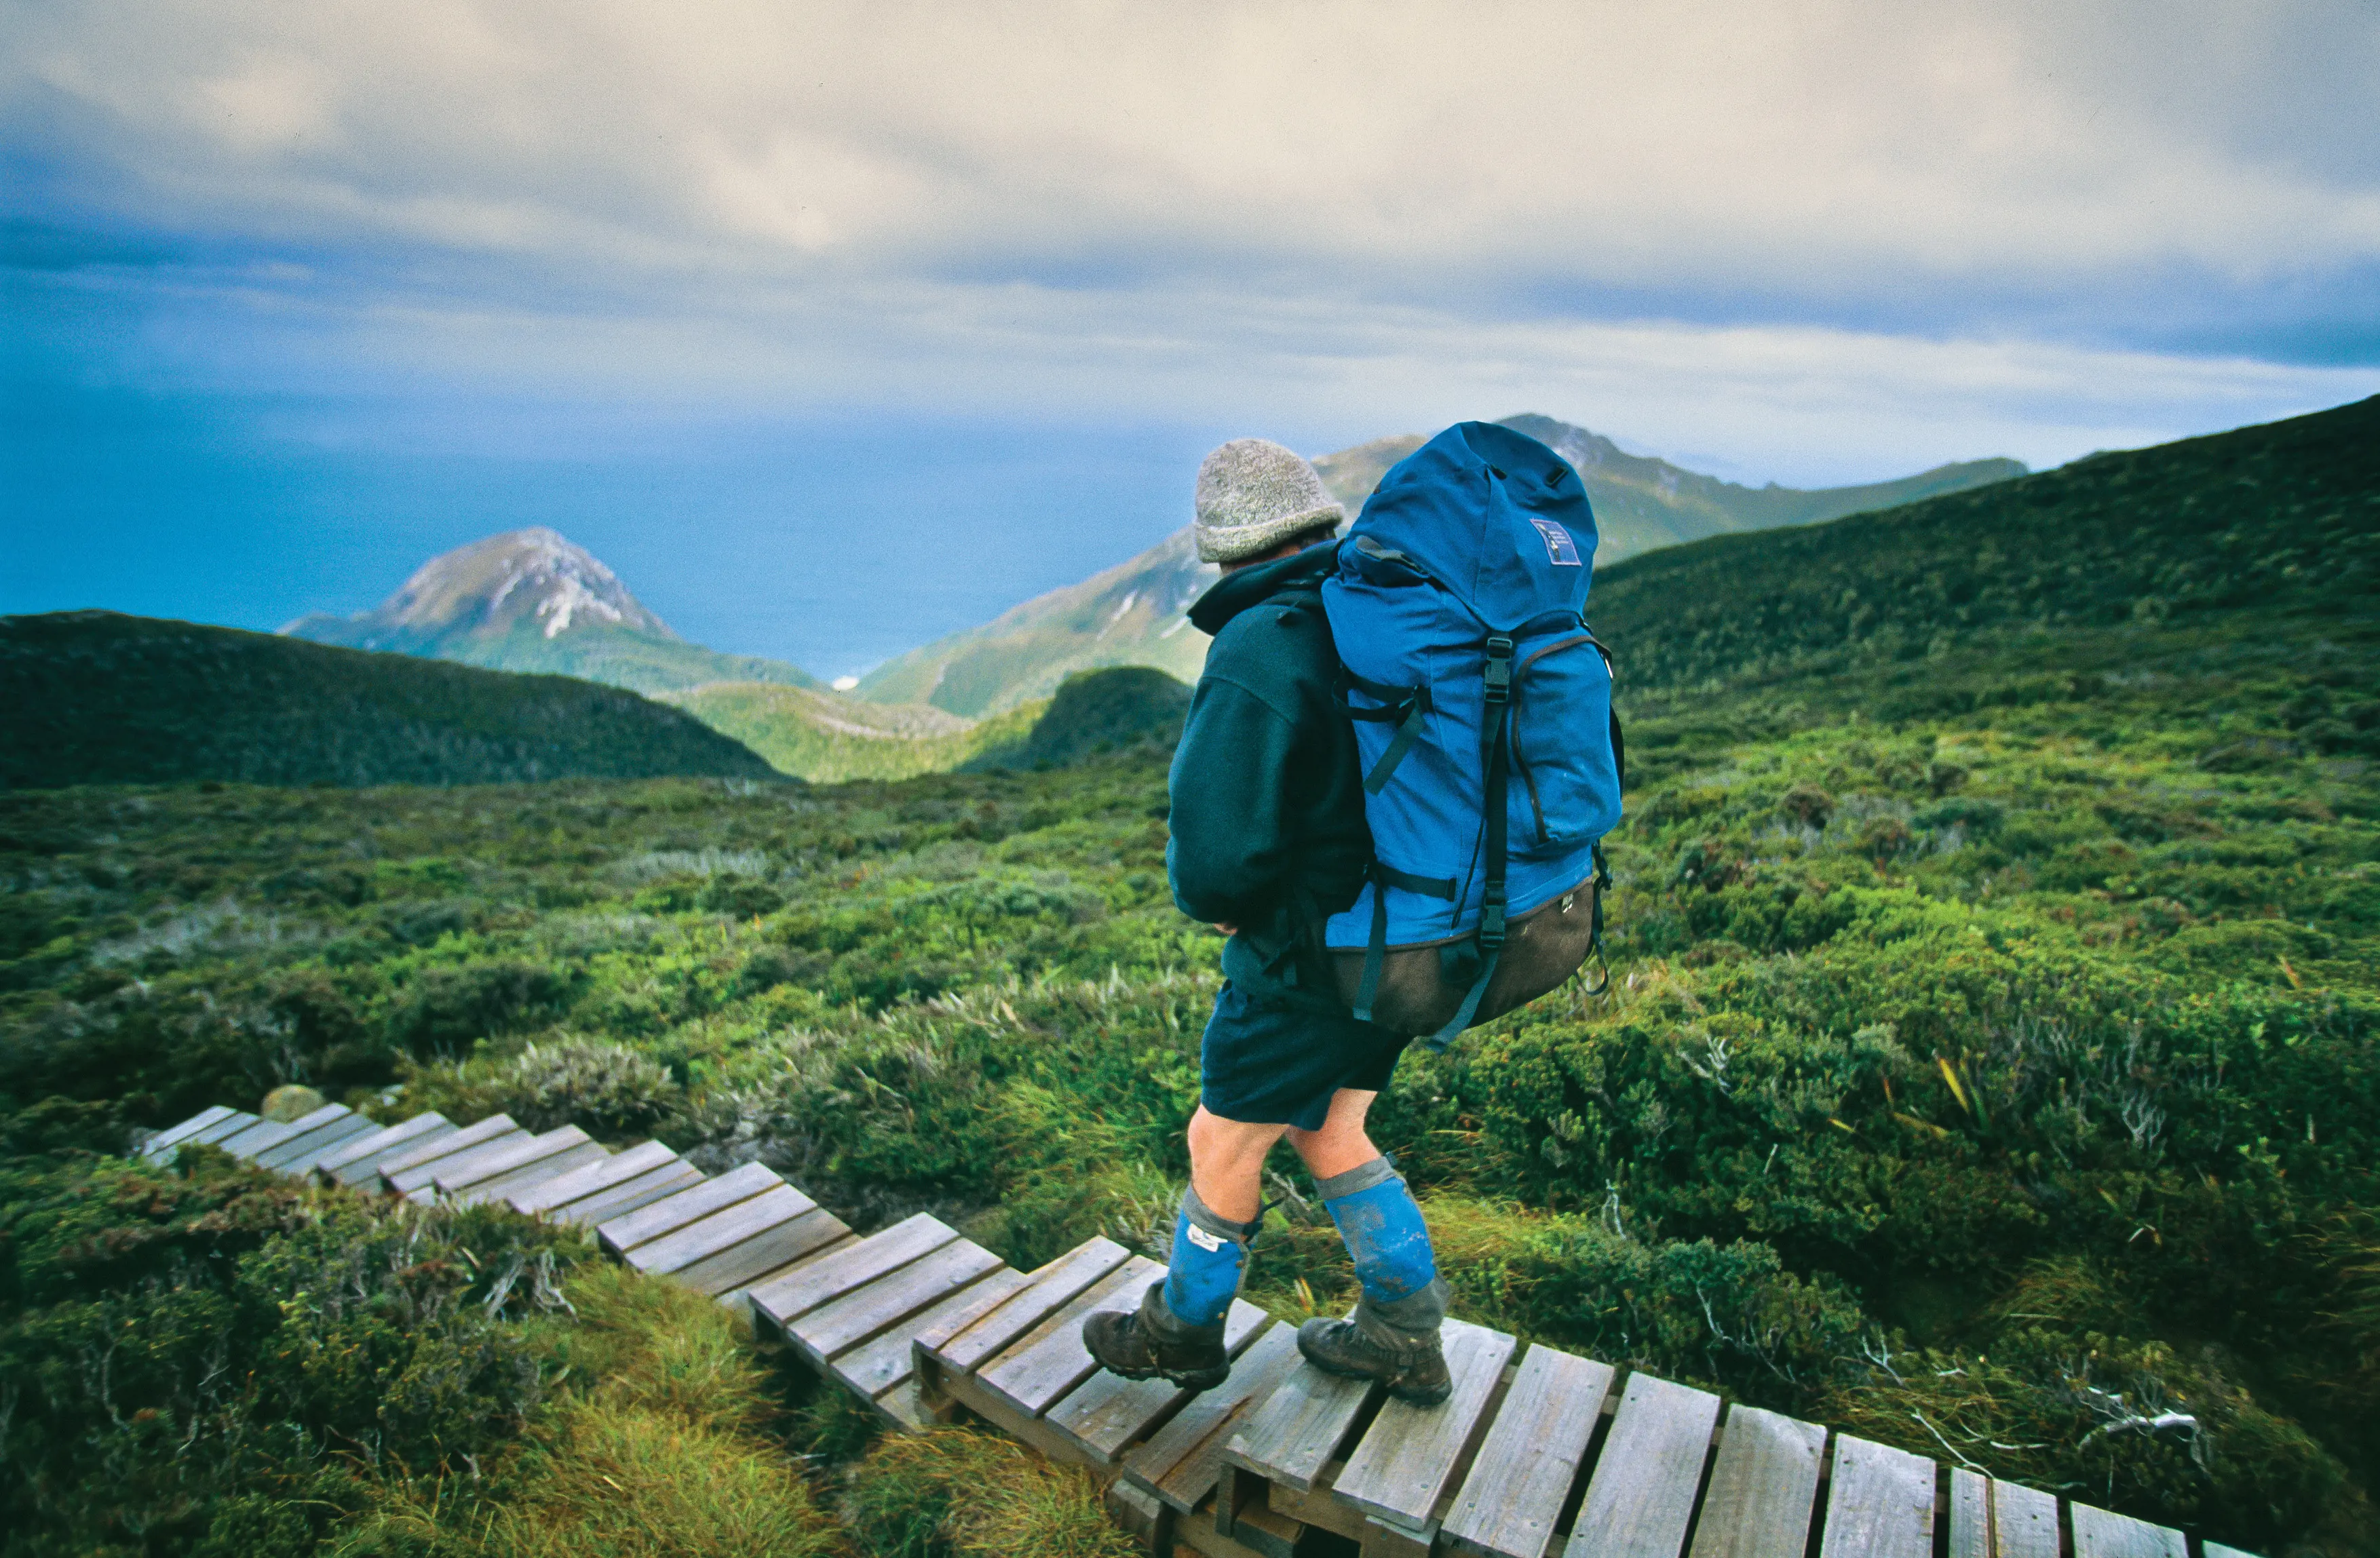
{"x": 1492, "y": 760}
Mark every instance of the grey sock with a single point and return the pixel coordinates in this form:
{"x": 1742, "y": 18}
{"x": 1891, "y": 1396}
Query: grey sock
{"x": 1362, "y": 1177}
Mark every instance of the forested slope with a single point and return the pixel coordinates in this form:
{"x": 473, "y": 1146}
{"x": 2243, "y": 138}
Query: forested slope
{"x": 98, "y": 698}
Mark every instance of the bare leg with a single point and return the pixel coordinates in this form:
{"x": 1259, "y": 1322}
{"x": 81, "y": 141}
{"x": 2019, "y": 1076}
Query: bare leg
{"x": 1227, "y": 1161}
{"x": 1341, "y": 1144}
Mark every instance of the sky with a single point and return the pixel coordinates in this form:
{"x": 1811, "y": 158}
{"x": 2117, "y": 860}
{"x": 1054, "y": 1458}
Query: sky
{"x": 836, "y": 327}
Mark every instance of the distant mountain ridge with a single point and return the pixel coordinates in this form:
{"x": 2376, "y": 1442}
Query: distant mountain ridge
{"x": 1131, "y": 613}
{"x": 531, "y": 600}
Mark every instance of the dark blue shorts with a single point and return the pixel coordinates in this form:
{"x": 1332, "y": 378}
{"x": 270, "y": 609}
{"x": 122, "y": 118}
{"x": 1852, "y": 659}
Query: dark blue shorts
{"x": 1267, "y": 1063}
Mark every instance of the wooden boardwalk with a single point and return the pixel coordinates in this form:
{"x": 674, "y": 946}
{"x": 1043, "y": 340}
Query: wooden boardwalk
{"x": 1538, "y": 1452}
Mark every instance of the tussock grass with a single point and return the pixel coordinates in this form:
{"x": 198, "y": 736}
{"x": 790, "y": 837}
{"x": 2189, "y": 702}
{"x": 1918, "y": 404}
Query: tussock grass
{"x": 963, "y": 1493}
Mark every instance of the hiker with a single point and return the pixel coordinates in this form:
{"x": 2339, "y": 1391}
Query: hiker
{"x": 1269, "y": 839}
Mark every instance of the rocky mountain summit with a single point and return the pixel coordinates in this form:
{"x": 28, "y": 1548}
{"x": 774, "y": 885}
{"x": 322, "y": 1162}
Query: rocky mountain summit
{"x": 532, "y": 600}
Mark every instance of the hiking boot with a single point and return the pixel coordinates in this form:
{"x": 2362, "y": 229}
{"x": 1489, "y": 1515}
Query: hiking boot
{"x": 1395, "y": 1343}
{"x": 1152, "y": 1342}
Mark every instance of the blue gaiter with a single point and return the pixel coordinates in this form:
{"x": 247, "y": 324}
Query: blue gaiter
{"x": 1381, "y": 1223}
{"x": 1210, "y": 1256}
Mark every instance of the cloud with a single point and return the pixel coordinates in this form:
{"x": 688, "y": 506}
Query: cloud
{"x": 1825, "y": 235}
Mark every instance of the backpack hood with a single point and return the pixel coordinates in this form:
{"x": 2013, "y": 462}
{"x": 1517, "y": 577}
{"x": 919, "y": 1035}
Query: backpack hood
{"x": 1493, "y": 515}
{"x": 1241, "y": 589}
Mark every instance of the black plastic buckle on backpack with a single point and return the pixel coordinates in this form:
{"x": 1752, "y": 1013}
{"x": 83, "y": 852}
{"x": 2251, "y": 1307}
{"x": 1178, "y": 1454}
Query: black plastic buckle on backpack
{"x": 1499, "y": 669}
{"x": 1491, "y": 917}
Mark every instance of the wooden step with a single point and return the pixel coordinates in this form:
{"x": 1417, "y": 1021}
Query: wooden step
{"x": 589, "y": 1178}
{"x": 1990, "y": 1519}
{"x": 215, "y": 1135}
{"x": 493, "y": 1175}
{"x": 1510, "y": 1503}
{"x": 2098, "y": 1534}
{"x": 623, "y": 1234}
{"x": 411, "y": 1168}
{"x": 842, "y": 1323}
{"x": 629, "y": 1195}
{"x": 298, "y": 1164}
{"x": 1406, "y": 1460}
{"x": 1642, "y": 1491}
{"x": 1107, "y": 1413}
{"x": 1180, "y": 1462}
{"x": 1764, "y": 1485}
{"x": 299, "y": 1132}
{"x": 1880, "y": 1504}
{"x": 1049, "y": 1360}
{"x": 1300, "y": 1428}
{"x": 264, "y": 1135}
{"x": 159, "y": 1145}
{"x": 358, "y": 1162}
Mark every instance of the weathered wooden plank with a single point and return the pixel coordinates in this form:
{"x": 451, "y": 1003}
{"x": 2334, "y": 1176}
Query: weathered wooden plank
{"x": 159, "y": 1144}
{"x": 844, "y": 1323}
{"x": 215, "y": 1135}
{"x": 1643, "y": 1491}
{"x": 1299, "y": 1428}
{"x": 1522, "y": 1475}
{"x": 421, "y": 1183}
{"x": 330, "y": 1122}
{"x": 588, "y": 1179}
{"x": 2023, "y": 1523}
{"x": 884, "y": 1251}
{"x": 1142, "y": 1515}
{"x": 629, "y": 1195}
{"x": 536, "y": 1172}
{"x": 1764, "y": 1486}
{"x": 766, "y": 1251}
{"x": 2099, "y": 1534}
{"x": 624, "y": 1233}
{"x": 1407, "y": 1459}
{"x": 1108, "y": 1411}
{"x": 407, "y": 1170}
{"x": 1050, "y": 1359}
{"x": 1879, "y": 1504}
{"x": 490, "y": 1174}
{"x": 743, "y": 1294}
{"x": 1969, "y": 1517}
{"x": 968, "y": 1345}
{"x": 257, "y": 1136}
{"x": 355, "y": 1127}
{"x": 1179, "y": 1460}
{"x": 359, "y": 1160}
{"x": 2026, "y": 1520}
{"x": 885, "y": 1359}
{"x": 722, "y": 1229}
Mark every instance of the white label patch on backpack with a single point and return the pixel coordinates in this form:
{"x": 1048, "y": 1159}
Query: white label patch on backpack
{"x": 1559, "y": 546}
{"x": 1203, "y": 1239}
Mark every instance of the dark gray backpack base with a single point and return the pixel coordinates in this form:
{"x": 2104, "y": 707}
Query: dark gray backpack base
{"x": 1419, "y": 994}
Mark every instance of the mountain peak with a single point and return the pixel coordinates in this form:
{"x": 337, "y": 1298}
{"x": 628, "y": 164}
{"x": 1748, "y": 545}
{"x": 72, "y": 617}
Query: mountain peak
{"x": 535, "y": 576}
{"x": 532, "y": 600}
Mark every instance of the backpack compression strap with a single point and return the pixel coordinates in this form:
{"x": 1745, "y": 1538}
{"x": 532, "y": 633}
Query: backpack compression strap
{"x": 1496, "y": 740}
{"x": 1404, "y": 705}
{"x": 1385, "y": 877}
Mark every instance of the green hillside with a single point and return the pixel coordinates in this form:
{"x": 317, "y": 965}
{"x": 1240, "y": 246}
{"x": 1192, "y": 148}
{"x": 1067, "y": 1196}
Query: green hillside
{"x": 1991, "y": 1065}
{"x": 98, "y": 698}
{"x": 1133, "y": 613}
{"x": 818, "y": 736}
{"x": 1096, "y": 714}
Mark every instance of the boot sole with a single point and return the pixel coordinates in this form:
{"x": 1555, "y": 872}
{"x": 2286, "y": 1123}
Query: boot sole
{"x": 1197, "y": 1379}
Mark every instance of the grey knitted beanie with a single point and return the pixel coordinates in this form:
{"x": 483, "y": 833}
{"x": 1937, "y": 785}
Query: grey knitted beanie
{"x": 1253, "y": 495}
